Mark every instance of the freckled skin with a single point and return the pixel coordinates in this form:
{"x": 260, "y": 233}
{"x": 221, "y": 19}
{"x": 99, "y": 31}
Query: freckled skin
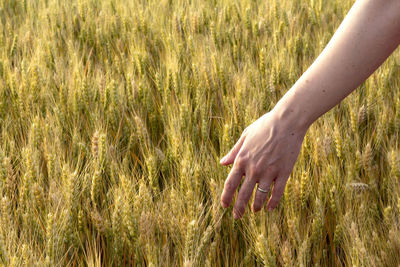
{"x": 268, "y": 148}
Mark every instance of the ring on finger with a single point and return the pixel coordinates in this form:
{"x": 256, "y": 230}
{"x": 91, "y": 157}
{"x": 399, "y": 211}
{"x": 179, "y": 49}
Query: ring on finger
{"x": 261, "y": 190}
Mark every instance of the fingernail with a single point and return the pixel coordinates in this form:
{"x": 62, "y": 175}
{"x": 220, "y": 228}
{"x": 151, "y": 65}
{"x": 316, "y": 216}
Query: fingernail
{"x": 222, "y": 160}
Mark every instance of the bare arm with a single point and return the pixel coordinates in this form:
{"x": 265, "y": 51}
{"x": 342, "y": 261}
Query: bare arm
{"x": 367, "y": 36}
{"x": 268, "y": 148}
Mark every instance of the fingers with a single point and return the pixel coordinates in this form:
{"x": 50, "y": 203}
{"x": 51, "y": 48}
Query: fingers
{"x": 277, "y": 191}
{"x": 231, "y": 183}
{"x": 261, "y": 197}
{"x": 244, "y": 195}
{"x": 230, "y": 157}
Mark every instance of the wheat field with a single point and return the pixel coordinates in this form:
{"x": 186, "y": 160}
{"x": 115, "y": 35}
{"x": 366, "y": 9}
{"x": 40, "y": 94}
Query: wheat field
{"x": 114, "y": 115}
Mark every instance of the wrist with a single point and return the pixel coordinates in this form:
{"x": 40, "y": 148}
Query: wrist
{"x": 291, "y": 115}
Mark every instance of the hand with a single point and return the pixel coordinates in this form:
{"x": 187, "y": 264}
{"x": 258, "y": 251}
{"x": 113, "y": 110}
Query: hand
{"x": 266, "y": 152}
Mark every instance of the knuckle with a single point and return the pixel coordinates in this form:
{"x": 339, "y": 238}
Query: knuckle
{"x": 257, "y": 171}
{"x": 271, "y": 168}
{"x": 241, "y": 162}
{"x": 250, "y": 177}
{"x": 261, "y": 168}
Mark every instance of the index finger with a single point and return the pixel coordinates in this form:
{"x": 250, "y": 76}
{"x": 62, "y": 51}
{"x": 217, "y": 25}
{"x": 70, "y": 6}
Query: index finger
{"x": 231, "y": 183}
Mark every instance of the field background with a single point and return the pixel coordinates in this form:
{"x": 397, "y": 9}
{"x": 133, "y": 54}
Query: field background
{"x": 114, "y": 115}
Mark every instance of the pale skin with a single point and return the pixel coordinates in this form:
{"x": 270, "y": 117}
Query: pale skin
{"x": 267, "y": 150}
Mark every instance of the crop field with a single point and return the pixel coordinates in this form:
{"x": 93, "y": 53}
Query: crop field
{"x": 114, "y": 115}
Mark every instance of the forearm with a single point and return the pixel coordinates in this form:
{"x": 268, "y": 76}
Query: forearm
{"x": 367, "y": 36}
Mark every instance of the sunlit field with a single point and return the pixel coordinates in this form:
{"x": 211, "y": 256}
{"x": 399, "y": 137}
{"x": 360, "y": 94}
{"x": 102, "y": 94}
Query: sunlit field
{"x": 114, "y": 115}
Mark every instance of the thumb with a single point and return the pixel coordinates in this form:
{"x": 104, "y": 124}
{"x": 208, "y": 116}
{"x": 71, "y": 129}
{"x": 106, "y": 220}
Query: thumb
{"x": 230, "y": 157}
